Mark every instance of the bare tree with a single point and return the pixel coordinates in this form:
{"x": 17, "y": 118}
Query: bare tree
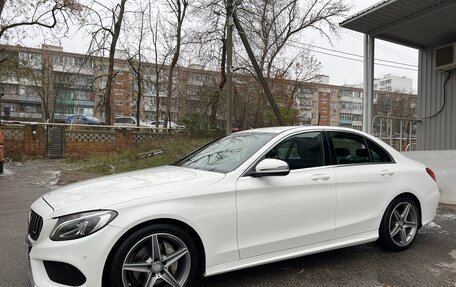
{"x": 274, "y": 25}
{"x": 18, "y": 16}
{"x": 135, "y": 52}
{"x": 179, "y": 10}
{"x": 162, "y": 50}
{"x": 106, "y": 28}
{"x": 273, "y": 28}
{"x": 210, "y": 43}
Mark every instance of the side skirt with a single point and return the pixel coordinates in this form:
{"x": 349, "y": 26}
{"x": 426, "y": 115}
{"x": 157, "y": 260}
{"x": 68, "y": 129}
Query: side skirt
{"x": 293, "y": 253}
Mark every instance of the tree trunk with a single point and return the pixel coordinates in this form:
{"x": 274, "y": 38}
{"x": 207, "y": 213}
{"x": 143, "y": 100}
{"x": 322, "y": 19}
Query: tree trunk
{"x": 112, "y": 51}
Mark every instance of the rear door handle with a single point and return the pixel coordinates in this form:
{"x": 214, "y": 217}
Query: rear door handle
{"x": 320, "y": 177}
{"x": 387, "y": 173}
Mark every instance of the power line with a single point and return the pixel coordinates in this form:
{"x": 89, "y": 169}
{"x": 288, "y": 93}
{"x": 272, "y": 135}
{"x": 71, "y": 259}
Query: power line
{"x": 358, "y": 60}
{"x": 356, "y": 55}
{"x": 351, "y": 54}
{"x": 383, "y": 47}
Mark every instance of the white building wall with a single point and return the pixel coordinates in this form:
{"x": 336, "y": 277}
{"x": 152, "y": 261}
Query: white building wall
{"x": 393, "y": 83}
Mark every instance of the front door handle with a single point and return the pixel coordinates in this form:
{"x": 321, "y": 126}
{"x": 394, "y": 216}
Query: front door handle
{"x": 387, "y": 173}
{"x": 320, "y": 177}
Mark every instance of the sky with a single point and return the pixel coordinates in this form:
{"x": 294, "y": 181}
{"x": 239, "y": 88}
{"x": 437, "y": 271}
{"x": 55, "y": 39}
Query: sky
{"x": 340, "y": 70}
{"x": 343, "y": 71}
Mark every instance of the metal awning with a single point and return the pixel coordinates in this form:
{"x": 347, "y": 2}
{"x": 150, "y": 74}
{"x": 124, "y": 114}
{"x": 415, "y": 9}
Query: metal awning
{"x": 415, "y": 23}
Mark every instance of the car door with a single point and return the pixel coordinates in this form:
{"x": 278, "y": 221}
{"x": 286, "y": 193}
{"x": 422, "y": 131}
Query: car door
{"x": 364, "y": 173}
{"x": 282, "y": 212}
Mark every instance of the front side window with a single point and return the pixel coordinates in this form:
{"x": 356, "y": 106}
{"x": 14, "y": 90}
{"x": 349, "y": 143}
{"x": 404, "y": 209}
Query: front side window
{"x": 300, "y": 151}
{"x": 228, "y": 153}
{"x": 349, "y": 148}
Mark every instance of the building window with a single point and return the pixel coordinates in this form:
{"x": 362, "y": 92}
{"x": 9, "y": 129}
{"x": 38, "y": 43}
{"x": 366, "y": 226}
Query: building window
{"x": 118, "y": 103}
{"x": 119, "y": 82}
{"x": 119, "y": 92}
{"x": 11, "y": 107}
{"x": 10, "y": 89}
{"x": 81, "y": 95}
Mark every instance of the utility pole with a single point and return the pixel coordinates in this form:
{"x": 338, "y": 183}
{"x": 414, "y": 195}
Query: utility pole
{"x": 257, "y": 69}
{"x": 229, "y": 64}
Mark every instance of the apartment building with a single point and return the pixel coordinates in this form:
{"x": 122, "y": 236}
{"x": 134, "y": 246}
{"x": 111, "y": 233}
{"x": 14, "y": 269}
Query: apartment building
{"x": 49, "y": 83}
{"x": 393, "y": 83}
{"x": 45, "y": 84}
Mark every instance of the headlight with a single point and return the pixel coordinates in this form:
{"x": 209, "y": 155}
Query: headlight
{"x": 81, "y": 224}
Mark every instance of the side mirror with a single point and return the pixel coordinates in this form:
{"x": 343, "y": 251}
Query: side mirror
{"x": 271, "y": 167}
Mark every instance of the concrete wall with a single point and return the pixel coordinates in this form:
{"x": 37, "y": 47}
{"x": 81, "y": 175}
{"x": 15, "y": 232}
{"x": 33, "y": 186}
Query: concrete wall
{"x": 443, "y": 163}
{"x": 436, "y": 133}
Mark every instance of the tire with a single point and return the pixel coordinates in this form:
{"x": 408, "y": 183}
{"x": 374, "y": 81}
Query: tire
{"x": 135, "y": 264}
{"x": 399, "y": 225}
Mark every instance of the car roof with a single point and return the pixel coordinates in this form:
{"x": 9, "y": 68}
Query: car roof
{"x": 279, "y": 130}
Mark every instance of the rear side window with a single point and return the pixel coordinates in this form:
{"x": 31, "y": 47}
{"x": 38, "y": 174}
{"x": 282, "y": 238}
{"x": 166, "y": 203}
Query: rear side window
{"x": 349, "y": 148}
{"x": 300, "y": 151}
{"x": 378, "y": 153}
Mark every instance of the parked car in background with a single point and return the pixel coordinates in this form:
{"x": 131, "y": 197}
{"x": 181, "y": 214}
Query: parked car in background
{"x": 82, "y": 120}
{"x": 128, "y": 122}
{"x": 253, "y": 197}
{"x": 171, "y": 125}
{"x": 1, "y": 151}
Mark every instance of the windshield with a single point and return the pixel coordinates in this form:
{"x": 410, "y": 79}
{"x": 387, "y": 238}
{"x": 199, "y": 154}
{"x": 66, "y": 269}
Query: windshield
{"x": 228, "y": 153}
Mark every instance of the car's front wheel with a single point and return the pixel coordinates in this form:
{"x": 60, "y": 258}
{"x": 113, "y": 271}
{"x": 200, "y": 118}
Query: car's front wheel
{"x": 158, "y": 255}
{"x": 399, "y": 225}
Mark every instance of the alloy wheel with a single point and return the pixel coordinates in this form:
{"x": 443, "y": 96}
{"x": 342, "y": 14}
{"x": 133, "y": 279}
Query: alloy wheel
{"x": 403, "y": 224}
{"x": 160, "y": 259}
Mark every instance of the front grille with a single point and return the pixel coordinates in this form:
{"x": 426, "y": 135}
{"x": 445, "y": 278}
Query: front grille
{"x": 35, "y": 225}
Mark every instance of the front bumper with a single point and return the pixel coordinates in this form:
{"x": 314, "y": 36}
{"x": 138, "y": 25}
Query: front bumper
{"x": 87, "y": 255}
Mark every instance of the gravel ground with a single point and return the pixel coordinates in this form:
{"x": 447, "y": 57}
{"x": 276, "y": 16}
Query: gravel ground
{"x": 430, "y": 262}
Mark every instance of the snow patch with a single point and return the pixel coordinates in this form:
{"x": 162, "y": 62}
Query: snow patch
{"x": 433, "y": 225}
{"x": 448, "y": 216}
{"x": 50, "y": 179}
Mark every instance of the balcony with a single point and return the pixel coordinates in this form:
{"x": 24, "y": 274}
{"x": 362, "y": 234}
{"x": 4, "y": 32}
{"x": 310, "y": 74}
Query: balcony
{"x": 345, "y": 122}
{"x": 351, "y": 99}
{"x": 350, "y": 111}
{"x": 23, "y": 115}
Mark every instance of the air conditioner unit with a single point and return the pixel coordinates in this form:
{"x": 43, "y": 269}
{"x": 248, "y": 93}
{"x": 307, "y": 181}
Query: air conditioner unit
{"x": 445, "y": 57}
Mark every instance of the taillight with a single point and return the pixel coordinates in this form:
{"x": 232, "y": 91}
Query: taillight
{"x": 431, "y": 174}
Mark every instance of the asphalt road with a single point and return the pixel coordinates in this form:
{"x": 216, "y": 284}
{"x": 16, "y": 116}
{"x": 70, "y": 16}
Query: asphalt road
{"x": 430, "y": 262}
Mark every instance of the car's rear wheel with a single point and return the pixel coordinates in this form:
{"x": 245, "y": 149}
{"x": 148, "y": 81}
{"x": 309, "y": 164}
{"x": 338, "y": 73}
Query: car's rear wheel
{"x": 158, "y": 255}
{"x": 399, "y": 225}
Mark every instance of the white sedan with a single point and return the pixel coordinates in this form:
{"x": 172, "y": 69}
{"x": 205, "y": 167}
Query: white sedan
{"x": 250, "y": 198}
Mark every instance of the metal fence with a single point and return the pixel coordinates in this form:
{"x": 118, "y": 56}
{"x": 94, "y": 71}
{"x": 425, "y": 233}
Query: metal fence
{"x": 400, "y": 133}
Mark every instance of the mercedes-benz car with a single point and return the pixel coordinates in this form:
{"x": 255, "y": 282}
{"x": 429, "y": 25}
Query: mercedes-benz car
{"x": 250, "y": 198}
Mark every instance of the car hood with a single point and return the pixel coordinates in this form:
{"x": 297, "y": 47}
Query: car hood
{"x": 105, "y": 191}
